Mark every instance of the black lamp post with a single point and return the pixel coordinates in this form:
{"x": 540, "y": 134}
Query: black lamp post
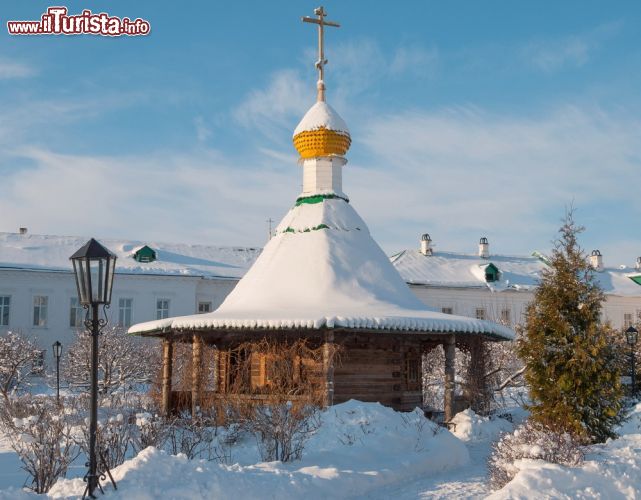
{"x": 632, "y": 336}
{"x": 57, "y": 352}
{"x": 93, "y": 266}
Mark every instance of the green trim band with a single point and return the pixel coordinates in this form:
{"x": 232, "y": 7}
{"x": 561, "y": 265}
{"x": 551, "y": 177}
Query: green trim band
{"x": 307, "y": 230}
{"x": 318, "y": 198}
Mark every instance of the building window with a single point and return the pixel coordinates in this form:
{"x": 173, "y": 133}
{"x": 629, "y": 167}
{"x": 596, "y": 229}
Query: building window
{"x": 125, "y": 307}
{"x": 76, "y": 313}
{"x": 413, "y": 372}
{"x": 5, "y": 304}
{"x": 204, "y": 307}
{"x": 480, "y": 313}
{"x": 627, "y": 320}
{"x": 40, "y": 303}
{"x": 505, "y": 316}
{"x": 38, "y": 363}
{"x": 447, "y": 310}
{"x": 162, "y": 308}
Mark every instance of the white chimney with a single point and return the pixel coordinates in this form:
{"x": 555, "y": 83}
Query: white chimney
{"x": 22, "y": 230}
{"x": 426, "y": 244}
{"x": 638, "y": 264}
{"x": 484, "y": 248}
{"x": 596, "y": 260}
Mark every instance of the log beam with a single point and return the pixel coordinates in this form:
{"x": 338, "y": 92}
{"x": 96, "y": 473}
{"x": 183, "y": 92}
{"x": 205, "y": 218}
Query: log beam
{"x": 328, "y": 368}
{"x": 449, "y": 346}
{"x": 196, "y": 374}
{"x": 167, "y": 367}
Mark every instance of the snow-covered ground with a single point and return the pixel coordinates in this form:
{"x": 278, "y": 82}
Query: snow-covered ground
{"x": 364, "y": 450}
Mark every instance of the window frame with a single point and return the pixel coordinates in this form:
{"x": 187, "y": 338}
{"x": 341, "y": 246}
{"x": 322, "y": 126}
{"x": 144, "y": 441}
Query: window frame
{"x": 480, "y": 313}
{"x": 124, "y": 310}
{"x": 162, "y": 312}
{"x": 76, "y": 312}
{"x": 42, "y": 318}
{"x": 208, "y": 304}
{"x": 5, "y": 310}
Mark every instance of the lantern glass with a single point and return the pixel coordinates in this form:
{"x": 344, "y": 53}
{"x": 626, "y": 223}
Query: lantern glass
{"x": 632, "y": 335}
{"x": 94, "y": 267}
{"x": 57, "y": 349}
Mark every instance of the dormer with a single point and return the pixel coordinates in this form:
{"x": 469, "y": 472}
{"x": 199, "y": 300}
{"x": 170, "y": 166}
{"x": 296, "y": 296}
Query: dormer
{"x": 492, "y": 272}
{"x": 145, "y": 255}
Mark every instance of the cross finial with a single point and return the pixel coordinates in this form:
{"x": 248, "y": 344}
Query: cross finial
{"x": 320, "y": 64}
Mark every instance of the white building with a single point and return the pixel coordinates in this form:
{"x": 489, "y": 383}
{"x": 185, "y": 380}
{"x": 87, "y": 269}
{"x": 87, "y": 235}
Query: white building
{"x": 38, "y": 295}
{"x": 499, "y": 287}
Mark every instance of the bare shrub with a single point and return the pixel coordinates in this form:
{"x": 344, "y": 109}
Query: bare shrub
{"x": 151, "y": 430}
{"x": 193, "y": 437}
{"x": 113, "y": 440}
{"x": 41, "y": 433}
{"x": 123, "y": 360}
{"x": 17, "y": 354}
{"x": 289, "y": 377}
{"x": 534, "y": 441}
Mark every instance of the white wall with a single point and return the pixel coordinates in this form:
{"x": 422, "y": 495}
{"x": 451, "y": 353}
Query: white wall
{"x": 464, "y": 302}
{"x": 183, "y": 292}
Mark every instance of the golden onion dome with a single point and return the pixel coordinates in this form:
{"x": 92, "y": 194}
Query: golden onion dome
{"x": 321, "y": 132}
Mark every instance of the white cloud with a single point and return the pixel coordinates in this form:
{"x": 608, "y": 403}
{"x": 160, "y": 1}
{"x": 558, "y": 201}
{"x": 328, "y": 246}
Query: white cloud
{"x": 463, "y": 173}
{"x": 199, "y": 197}
{"x": 571, "y": 51}
{"x": 414, "y": 59}
{"x": 12, "y": 69}
{"x": 552, "y": 56}
{"x": 271, "y": 109}
{"x": 203, "y": 131}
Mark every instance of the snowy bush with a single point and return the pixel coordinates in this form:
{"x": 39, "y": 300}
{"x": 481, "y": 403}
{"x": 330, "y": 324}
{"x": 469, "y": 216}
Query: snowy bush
{"x": 123, "y": 360}
{"x": 283, "y": 429}
{"x": 531, "y": 441}
{"x": 41, "y": 432}
{"x": 17, "y": 354}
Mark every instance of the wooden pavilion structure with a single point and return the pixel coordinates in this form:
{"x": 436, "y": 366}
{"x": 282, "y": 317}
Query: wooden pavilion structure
{"x": 321, "y": 278}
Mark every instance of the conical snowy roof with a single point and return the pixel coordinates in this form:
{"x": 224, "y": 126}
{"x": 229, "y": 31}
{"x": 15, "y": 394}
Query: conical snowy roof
{"x": 322, "y": 269}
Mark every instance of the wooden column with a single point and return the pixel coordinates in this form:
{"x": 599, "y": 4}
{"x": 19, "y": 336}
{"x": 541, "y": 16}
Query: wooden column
{"x": 328, "y": 368}
{"x": 196, "y": 374}
{"x": 167, "y": 366}
{"x": 450, "y": 371}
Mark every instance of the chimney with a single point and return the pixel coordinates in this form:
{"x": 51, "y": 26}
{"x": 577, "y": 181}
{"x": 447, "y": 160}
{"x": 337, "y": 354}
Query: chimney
{"x": 22, "y": 230}
{"x": 638, "y": 264}
{"x": 426, "y": 244}
{"x": 484, "y": 248}
{"x": 596, "y": 260}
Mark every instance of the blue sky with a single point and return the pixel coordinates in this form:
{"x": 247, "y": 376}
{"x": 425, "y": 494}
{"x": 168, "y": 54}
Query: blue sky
{"x": 468, "y": 119}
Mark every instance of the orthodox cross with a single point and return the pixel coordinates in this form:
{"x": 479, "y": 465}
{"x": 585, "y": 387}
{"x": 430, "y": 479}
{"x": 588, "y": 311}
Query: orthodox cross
{"x": 320, "y": 64}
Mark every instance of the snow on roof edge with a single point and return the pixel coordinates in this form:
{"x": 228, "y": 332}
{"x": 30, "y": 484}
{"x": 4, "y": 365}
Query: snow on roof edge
{"x": 453, "y": 324}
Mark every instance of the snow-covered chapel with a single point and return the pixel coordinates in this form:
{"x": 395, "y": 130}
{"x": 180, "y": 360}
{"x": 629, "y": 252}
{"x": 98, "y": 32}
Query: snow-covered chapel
{"x": 323, "y": 278}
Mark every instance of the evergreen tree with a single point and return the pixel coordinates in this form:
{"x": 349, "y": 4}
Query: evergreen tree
{"x": 571, "y": 364}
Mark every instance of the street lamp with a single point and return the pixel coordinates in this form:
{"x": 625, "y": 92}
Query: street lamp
{"x": 631, "y": 336}
{"x": 57, "y": 352}
{"x": 93, "y": 267}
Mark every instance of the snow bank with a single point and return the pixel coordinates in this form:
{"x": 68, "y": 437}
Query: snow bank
{"x": 468, "y": 426}
{"x": 360, "y": 447}
{"x": 611, "y": 470}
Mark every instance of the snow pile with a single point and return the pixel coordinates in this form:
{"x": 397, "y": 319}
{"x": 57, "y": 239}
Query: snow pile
{"x": 320, "y": 115}
{"x": 323, "y": 269}
{"x": 359, "y": 448}
{"x": 468, "y": 426}
{"x": 610, "y": 470}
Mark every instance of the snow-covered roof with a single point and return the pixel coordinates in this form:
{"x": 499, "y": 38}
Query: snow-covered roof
{"x": 458, "y": 270}
{"x": 324, "y": 270}
{"x": 51, "y": 253}
{"x": 322, "y": 115}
